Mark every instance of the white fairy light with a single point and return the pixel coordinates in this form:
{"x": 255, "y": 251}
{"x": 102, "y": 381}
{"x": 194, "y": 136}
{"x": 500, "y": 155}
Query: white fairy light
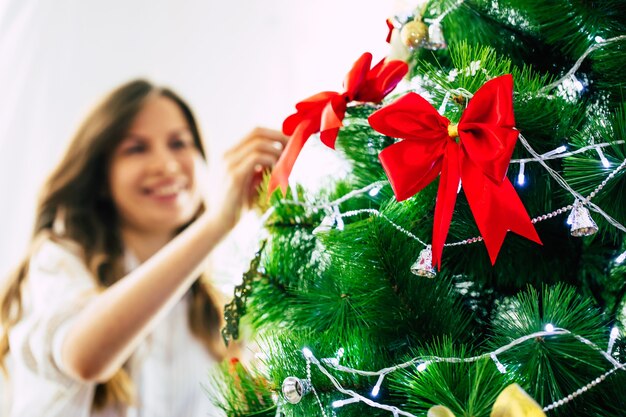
{"x": 578, "y": 86}
{"x": 376, "y": 388}
{"x": 307, "y": 352}
{"x": 553, "y": 152}
{"x": 334, "y": 362}
{"x": 499, "y": 364}
{"x": 612, "y": 338}
{"x": 621, "y": 258}
{"x": 520, "y": 177}
{"x": 605, "y": 162}
{"x": 340, "y": 353}
{"x": 337, "y": 217}
{"x": 341, "y": 403}
{"x": 598, "y": 39}
{"x": 549, "y": 328}
{"x": 374, "y": 191}
{"x": 422, "y": 367}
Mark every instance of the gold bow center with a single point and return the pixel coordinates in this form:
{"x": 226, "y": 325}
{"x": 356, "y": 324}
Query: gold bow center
{"x": 453, "y": 130}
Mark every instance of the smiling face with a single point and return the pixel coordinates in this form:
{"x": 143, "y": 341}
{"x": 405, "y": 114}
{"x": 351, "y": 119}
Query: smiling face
{"x": 152, "y": 170}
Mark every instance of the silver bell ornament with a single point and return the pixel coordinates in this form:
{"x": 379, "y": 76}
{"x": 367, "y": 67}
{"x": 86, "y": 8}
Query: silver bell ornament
{"x": 435, "y": 37}
{"x": 581, "y": 221}
{"x": 295, "y": 388}
{"x": 423, "y": 267}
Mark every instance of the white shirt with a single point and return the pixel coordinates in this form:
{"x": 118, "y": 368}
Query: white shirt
{"x": 170, "y": 369}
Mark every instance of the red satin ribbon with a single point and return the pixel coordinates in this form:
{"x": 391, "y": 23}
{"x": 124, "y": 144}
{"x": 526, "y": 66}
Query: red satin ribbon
{"x": 390, "y": 28}
{"x": 325, "y": 111}
{"x": 479, "y": 161}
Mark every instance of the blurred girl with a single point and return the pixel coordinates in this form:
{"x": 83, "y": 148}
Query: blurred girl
{"x": 110, "y": 314}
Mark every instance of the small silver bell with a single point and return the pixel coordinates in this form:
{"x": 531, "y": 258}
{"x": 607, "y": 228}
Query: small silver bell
{"x": 423, "y": 267}
{"x": 435, "y": 37}
{"x": 581, "y": 221}
{"x": 295, "y": 388}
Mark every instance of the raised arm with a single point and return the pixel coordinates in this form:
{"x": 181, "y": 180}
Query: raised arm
{"x": 110, "y": 327}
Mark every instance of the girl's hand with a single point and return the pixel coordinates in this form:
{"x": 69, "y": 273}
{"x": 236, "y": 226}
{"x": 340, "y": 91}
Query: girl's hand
{"x": 244, "y": 166}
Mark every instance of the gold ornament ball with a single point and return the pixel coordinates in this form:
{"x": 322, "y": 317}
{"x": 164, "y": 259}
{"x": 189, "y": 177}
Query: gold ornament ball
{"x": 414, "y": 34}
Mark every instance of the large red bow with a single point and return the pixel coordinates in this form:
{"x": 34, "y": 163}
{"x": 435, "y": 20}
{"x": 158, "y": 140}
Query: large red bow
{"x": 479, "y": 160}
{"x": 324, "y": 112}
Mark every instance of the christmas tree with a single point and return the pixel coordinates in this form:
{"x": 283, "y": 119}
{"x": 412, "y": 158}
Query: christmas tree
{"x": 399, "y": 292}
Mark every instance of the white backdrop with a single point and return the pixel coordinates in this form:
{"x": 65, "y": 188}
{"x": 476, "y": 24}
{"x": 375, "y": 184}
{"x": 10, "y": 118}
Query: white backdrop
{"x": 240, "y": 63}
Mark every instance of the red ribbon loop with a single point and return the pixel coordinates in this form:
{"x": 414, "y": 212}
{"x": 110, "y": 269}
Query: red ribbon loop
{"x": 479, "y": 161}
{"x": 324, "y": 112}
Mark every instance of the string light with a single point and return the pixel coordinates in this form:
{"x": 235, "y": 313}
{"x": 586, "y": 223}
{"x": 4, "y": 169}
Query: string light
{"x": 376, "y": 388}
{"x": 560, "y": 152}
{"x": 550, "y": 331}
{"x": 337, "y": 217}
{"x": 341, "y": 403}
{"x": 374, "y": 191}
{"x": 605, "y": 162}
{"x": 561, "y": 181}
{"x": 499, "y": 364}
{"x": 612, "y": 338}
{"x": 534, "y": 220}
{"x": 331, "y": 361}
{"x": 556, "y": 151}
{"x": 307, "y": 352}
{"x": 549, "y": 328}
{"x": 520, "y": 177}
{"x": 580, "y": 60}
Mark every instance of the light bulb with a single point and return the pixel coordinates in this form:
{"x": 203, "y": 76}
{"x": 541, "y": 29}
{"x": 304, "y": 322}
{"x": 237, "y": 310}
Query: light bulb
{"x": 605, "y": 162}
{"x": 520, "y": 177}
{"x": 376, "y": 388}
{"x": 549, "y": 328}
{"x": 374, "y": 191}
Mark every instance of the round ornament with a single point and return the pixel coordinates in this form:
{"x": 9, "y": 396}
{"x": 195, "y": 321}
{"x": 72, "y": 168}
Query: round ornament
{"x": 414, "y": 34}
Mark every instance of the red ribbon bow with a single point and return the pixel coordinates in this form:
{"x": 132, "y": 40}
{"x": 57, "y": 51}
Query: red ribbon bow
{"x": 324, "y": 112}
{"x": 479, "y": 160}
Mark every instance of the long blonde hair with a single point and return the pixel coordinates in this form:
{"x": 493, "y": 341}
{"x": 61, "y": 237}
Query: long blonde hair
{"x": 76, "y": 189}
